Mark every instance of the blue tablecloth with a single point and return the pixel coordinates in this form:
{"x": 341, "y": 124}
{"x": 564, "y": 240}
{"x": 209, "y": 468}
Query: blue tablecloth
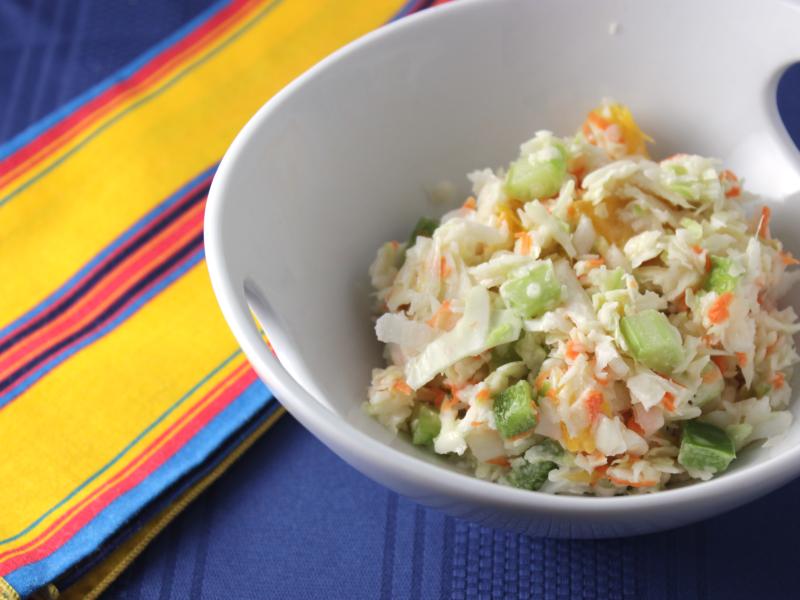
{"x": 291, "y": 520}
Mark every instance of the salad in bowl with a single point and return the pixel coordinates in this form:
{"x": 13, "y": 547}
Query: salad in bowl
{"x": 589, "y": 321}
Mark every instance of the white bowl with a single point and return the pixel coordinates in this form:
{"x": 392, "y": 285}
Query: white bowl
{"x": 339, "y": 162}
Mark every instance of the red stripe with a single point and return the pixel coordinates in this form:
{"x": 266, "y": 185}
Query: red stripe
{"x": 111, "y": 257}
{"x": 158, "y": 458}
{"x": 187, "y": 226}
{"x": 55, "y": 137}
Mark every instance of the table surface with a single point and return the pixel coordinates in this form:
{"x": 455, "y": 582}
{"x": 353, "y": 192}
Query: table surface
{"x": 290, "y": 519}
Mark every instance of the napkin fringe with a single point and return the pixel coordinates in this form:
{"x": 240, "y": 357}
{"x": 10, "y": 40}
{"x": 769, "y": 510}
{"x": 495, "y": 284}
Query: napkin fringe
{"x": 6, "y": 591}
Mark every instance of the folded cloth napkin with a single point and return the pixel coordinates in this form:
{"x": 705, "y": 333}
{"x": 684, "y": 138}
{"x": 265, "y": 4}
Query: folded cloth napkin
{"x": 122, "y": 392}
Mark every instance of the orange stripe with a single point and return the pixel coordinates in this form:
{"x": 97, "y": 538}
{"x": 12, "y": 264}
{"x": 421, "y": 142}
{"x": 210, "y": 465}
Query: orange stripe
{"x": 179, "y": 232}
{"x": 201, "y": 44}
{"x": 162, "y": 439}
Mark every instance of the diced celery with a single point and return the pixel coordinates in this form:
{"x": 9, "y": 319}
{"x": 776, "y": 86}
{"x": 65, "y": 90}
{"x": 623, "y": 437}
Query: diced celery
{"x": 551, "y": 447}
{"x": 532, "y": 177}
{"x": 719, "y": 279}
{"x": 534, "y": 293}
{"x": 504, "y": 328}
{"x": 613, "y": 280}
{"x": 530, "y": 349}
{"x": 653, "y": 340}
{"x": 547, "y": 449}
{"x": 502, "y": 355}
{"x": 515, "y": 412}
{"x": 739, "y": 432}
{"x": 694, "y": 228}
{"x": 705, "y": 447}
{"x": 424, "y": 227}
{"x": 711, "y": 386}
{"x": 425, "y": 426}
{"x": 531, "y": 476}
{"x": 761, "y": 389}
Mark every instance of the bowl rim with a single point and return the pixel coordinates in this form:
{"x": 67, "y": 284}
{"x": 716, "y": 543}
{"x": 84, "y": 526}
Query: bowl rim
{"x": 762, "y": 476}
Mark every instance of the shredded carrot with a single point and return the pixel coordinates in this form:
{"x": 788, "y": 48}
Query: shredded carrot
{"x": 470, "y": 203}
{"x": 731, "y": 177}
{"x": 483, "y": 394}
{"x": 711, "y": 376}
{"x": 721, "y": 362}
{"x": 402, "y": 387}
{"x": 587, "y": 131}
{"x": 593, "y": 263}
{"x": 593, "y": 403}
{"x": 598, "y": 474}
{"x": 500, "y": 461}
{"x": 680, "y": 302}
{"x": 741, "y": 358}
{"x": 708, "y": 263}
{"x": 525, "y": 242}
{"x": 771, "y": 348}
{"x": 718, "y": 313}
{"x": 442, "y": 312}
{"x": 668, "y": 401}
{"x": 444, "y": 268}
{"x": 697, "y": 249}
{"x": 571, "y": 212}
{"x": 574, "y": 349}
{"x": 778, "y": 380}
{"x": 634, "y": 426}
{"x": 787, "y": 259}
{"x": 635, "y": 484}
{"x": 763, "y": 223}
{"x": 477, "y": 423}
{"x": 450, "y": 402}
{"x": 519, "y": 436}
{"x": 540, "y": 378}
{"x": 551, "y": 393}
{"x": 598, "y": 121}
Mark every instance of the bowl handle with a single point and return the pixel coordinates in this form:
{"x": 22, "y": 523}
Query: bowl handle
{"x": 768, "y": 146}
{"x": 282, "y": 369}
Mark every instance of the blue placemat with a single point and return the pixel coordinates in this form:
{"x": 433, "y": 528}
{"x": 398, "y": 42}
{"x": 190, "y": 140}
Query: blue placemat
{"x": 291, "y": 520}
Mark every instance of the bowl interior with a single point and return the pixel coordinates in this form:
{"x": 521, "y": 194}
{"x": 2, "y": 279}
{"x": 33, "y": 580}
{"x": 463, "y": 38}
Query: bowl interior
{"x": 343, "y": 161}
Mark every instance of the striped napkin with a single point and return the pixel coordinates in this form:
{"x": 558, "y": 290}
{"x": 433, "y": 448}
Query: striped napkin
{"x": 122, "y": 392}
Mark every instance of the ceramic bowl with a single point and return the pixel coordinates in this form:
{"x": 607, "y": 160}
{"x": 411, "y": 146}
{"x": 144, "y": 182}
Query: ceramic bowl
{"x": 343, "y": 159}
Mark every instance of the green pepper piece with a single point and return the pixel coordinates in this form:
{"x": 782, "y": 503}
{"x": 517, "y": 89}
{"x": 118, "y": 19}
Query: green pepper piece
{"x": 425, "y": 426}
{"x": 531, "y": 476}
{"x": 653, "y": 340}
{"x": 719, "y": 279}
{"x": 515, "y": 412}
{"x": 705, "y": 447}
{"x": 424, "y": 227}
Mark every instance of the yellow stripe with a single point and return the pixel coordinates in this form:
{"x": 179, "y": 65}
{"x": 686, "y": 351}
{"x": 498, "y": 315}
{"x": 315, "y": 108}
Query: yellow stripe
{"x": 88, "y": 409}
{"x": 98, "y": 579}
{"x": 149, "y": 153}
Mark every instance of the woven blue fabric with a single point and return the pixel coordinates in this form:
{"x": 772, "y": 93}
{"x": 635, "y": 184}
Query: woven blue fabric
{"x": 291, "y": 520}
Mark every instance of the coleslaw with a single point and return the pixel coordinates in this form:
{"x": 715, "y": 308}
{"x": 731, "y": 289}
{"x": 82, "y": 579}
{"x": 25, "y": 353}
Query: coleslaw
{"x": 590, "y": 321}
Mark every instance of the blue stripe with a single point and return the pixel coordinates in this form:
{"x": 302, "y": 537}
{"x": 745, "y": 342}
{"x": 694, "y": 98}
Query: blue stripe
{"x": 26, "y": 383}
{"x": 125, "y": 450}
{"x": 47, "y": 122}
{"x": 30, "y": 577}
{"x": 119, "y": 242}
{"x": 140, "y": 102}
{"x": 404, "y": 11}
